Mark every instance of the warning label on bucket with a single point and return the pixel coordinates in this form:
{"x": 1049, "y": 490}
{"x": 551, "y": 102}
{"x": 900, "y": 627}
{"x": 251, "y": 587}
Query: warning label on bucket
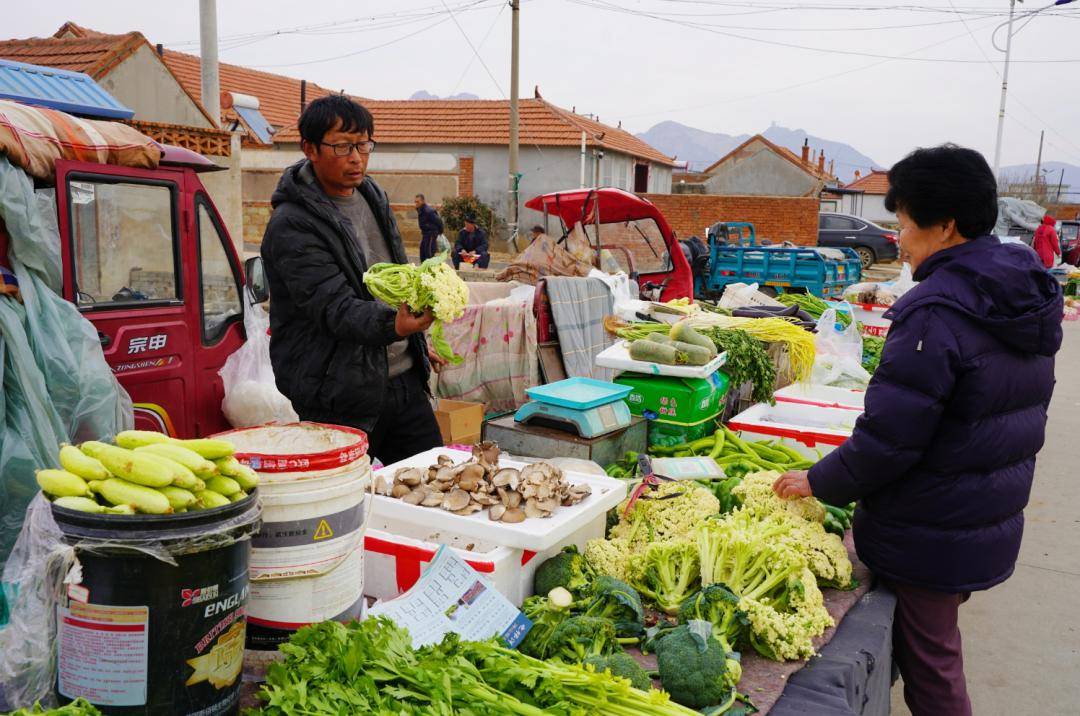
{"x": 102, "y": 653}
{"x": 294, "y": 533}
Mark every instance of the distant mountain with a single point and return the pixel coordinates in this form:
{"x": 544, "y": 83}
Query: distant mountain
{"x": 701, "y": 148}
{"x": 1071, "y": 181}
{"x": 687, "y": 144}
{"x": 424, "y": 94}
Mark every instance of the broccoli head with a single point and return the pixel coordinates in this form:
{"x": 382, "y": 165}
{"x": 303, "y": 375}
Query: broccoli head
{"x": 667, "y": 574}
{"x": 546, "y": 617}
{"x": 717, "y": 605}
{"x": 695, "y": 669}
{"x": 567, "y": 569}
{"x": 580, "y": 637}
{"x": 622, "y": 664}
{"x": 614, "y": 599}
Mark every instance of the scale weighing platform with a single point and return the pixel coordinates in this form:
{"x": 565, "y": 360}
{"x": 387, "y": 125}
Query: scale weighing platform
{"x": 588, "y": 407}
{"x": 577, "y": 417}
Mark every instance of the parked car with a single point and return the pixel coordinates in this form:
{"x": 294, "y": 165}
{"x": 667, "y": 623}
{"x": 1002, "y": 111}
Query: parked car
{"x": 873, "y": 243}
{"x": 1069, "y": 233}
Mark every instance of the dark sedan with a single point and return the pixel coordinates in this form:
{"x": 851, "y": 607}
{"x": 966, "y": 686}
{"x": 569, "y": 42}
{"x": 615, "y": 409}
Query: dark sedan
{"x": 873, "y": 243}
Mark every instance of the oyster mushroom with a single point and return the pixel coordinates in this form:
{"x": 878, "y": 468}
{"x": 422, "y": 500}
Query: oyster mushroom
{"x": 468, "y": 510}
{"x": 382, "y": 485}
{"x": 444, "y": 473}
{"x": 506, "y": 477}
{"x": 496, "y": 512}
{"x": 486, "y": 453}
{"x": 400, "y": 490}
{"x": 470, "y": 471}
{"x": 456, "y": 499}
{"x": 444, "y": 460}
{"x": 433, "y": 498}
{"x": 575, "y": 494}
{"x": 533, "y": 509}
{"x": 408, "y": 476}
{"x": 513, "y": 499}
{"x": 486, "y": 500}
{"x": 549, "y": 505}
{"x": 513, "y": 515}
{"x": 415, "y": 497}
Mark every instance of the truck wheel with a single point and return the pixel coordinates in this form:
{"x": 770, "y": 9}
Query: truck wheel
{"x": 866, "y": 256}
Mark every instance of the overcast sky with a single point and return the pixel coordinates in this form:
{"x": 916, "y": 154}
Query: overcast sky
{"x": 711, "y": 64}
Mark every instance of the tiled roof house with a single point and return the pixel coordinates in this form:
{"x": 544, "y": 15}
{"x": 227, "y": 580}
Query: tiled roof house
{"x": 759, "y": 167}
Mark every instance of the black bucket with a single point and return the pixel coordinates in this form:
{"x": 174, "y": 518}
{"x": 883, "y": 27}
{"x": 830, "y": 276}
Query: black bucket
{"x": 140, "y": 635}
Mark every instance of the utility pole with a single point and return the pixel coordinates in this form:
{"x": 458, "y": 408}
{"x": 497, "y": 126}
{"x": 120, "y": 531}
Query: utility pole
{"x": 1004, "y": 90}
{"x": 208, "y": 52}
{"x": 1057, "y": 200}
{"x": 582, "y": 160}
{"x": 515, "y": 176}
{"x": 1038, "y": 165}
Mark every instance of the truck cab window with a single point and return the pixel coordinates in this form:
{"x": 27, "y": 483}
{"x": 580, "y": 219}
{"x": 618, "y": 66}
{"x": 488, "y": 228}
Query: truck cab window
{"x": 218, "y": 287}
{"x": 641, "y": 238}
{"x": 123, "y": 242}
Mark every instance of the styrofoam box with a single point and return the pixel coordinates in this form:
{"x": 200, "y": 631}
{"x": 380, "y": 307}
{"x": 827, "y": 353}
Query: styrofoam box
{"x": 808, "y": 429}
{"x": 397, "y": 552}
{"x": 538, "y": 535}
{"x": 826, "y": 396}
{"x": 872, "y": 317}
{"x": 618, "y": 357}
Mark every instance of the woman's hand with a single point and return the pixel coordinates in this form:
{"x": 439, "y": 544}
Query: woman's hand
{"x": 793, "y": 484}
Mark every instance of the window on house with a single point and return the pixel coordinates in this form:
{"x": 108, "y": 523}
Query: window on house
{"x": 124, "y": 241}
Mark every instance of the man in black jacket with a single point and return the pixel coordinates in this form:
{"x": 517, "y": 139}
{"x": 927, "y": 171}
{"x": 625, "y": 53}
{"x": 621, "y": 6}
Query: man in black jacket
{"x": 339, "y": 355}
{"x": 431, "y": 226}
{"x": 471, "y": 245}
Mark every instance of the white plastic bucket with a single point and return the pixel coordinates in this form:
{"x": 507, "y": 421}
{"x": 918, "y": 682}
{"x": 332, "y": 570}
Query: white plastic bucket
{"x": 307, "y": 561}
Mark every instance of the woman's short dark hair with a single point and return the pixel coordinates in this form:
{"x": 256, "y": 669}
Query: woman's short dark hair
{"x": 935, "y": 184}
{"x": 320, "y": 116}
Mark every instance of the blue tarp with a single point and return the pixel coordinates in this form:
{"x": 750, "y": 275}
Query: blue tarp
{"x": 67, "y": 91}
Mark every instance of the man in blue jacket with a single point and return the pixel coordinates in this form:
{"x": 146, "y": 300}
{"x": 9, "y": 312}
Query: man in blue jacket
{"x": 431, "y": 225}
{"x": 942, "y": 460}
{"x": 471, "y": 246}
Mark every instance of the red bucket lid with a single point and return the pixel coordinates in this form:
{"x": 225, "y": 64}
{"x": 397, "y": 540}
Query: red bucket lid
{"x": 303, "y": 462}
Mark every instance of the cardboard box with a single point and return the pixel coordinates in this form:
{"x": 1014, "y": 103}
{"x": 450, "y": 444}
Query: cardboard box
{"x": 459, "y": 421}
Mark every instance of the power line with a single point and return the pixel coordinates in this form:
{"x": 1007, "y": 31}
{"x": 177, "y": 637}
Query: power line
{"x": 396, "y": 40}
{"x": 610, "y": 7}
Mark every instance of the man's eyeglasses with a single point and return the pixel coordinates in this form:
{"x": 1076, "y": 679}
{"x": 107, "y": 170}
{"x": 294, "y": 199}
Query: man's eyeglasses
{"x": 344, "y": 149}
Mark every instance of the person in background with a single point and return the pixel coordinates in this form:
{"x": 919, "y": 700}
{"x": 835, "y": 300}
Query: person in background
{"x": 341, "y": 356}
{"x": 1046, "y": 242}
{"x": 536, "y": 232}
{"x": 472, "y": 245}
{"x": 942, "y": 460}
{"x": 431, "y": 226}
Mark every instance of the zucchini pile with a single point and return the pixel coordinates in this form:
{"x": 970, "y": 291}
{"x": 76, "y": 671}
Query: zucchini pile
{"x": 682, "y": 345}
{"x": 149, "y": 473}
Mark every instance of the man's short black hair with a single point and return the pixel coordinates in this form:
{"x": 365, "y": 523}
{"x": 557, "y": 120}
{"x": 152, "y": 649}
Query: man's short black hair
{"x": 935, "y": 184}
{"x": 320, "y": 116}
{"x": 538, "y": 229}
{"x": 421, "y": 197}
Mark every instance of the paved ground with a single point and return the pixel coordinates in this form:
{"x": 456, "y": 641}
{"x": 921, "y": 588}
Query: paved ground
{"x": 1022, "y": 638}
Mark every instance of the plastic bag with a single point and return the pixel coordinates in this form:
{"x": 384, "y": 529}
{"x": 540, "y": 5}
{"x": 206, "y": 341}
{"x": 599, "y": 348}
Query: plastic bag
{"x": 57, "y": 386}
{"x": 251, "y": 394}
{"x": 42, "y": 565}
{"x": 839, "y": 351}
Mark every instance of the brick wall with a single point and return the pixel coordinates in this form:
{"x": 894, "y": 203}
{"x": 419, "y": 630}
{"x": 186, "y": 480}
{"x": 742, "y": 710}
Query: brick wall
{"x": 1064, "y": 212}
{"x": 256, "y": 216}
{"x": 465, "y": 176}
{"x": 777, "y": 218}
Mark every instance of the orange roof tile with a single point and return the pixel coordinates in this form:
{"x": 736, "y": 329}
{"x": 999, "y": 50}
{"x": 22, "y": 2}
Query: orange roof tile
{"x": 93, "y": 55}
{"x": 808, "y": 167}
{"x": 876, "y": 182}
{"x": 279, "y": 96}
{"x": 488, "y": 122}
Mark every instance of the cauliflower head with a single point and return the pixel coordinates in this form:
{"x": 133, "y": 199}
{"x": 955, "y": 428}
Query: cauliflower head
{"x": 756, "y": 495}
{"x": 656, "y": 517}
{"x": 609, "y": 556}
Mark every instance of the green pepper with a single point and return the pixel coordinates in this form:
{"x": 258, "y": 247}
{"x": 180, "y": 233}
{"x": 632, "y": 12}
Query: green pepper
{"x": 718, "y": 444}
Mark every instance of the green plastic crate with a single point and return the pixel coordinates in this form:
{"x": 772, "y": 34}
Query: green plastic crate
{"x": 686, "y": 401}
{"x": 666, "y": 433}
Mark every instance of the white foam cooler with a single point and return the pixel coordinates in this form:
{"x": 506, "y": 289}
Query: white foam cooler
{"x": 825, "y": 396}
{"x": 403, "y": 538}
{"x": 872, "y": 317}
{"x": 808, "y": 429}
